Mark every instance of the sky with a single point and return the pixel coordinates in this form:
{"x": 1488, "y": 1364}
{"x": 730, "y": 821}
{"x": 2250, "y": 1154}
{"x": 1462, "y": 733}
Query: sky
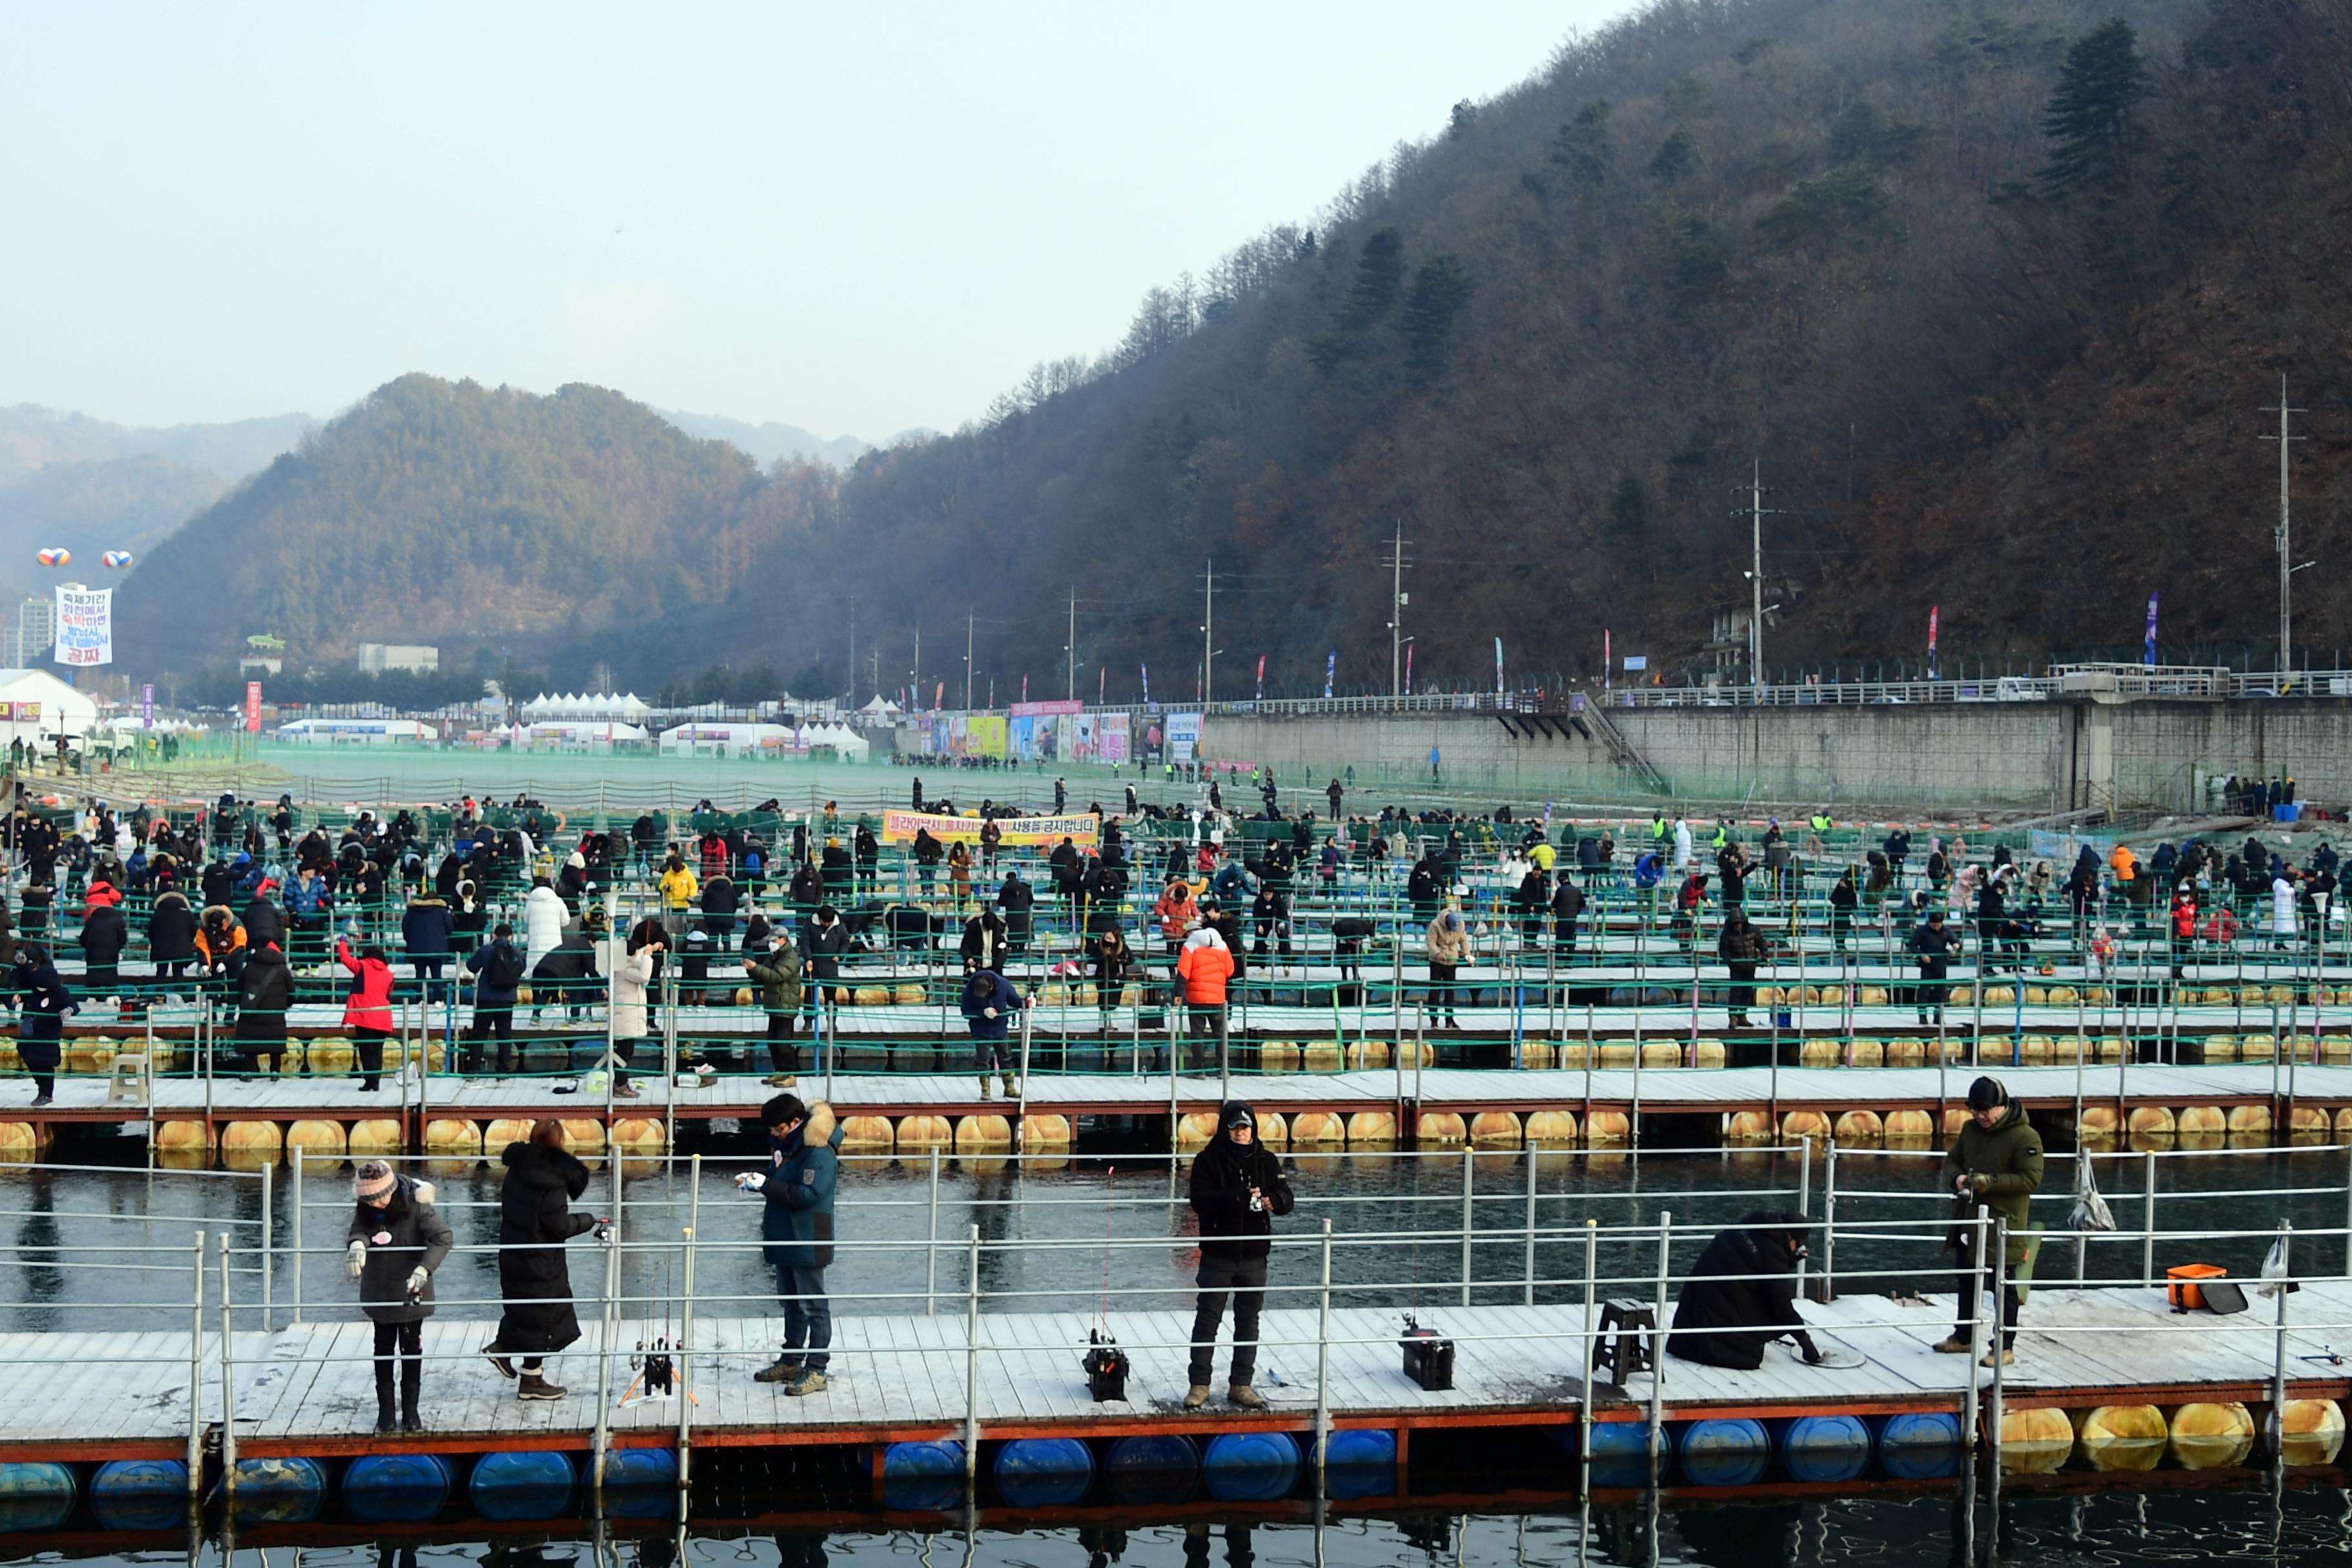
{"x": 859, "y": 219}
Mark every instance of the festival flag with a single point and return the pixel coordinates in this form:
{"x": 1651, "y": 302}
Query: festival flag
{"x": 1330, "y": 671}
{"x": 1498, "y": 666}
{"x": 1608, "y": 657}
{"x": 1261, "y": 678}
{"x": 1408, "y": 670}
{"x": 2148, "y": 656}
{"x": 1024, "y": 688}
{"x": 1146, "y": 680}
{"x": 1935, "y": 613}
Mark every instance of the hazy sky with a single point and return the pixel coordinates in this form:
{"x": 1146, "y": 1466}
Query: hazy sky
{"x": 858, "y": 218}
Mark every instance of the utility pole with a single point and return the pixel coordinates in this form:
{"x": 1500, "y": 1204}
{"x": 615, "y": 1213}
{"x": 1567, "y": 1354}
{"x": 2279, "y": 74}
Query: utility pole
{"x": 1756, "y": 515}
{"x": 2286, "y": 566}
{"x": 1208, "y": 623}
{"x": 967, "y": 661}
{"x": 853, "y": 650}
{"x": 1071, "y": 647}
{"x": 915, "y": 676}
{"x": 1397, "y": 600}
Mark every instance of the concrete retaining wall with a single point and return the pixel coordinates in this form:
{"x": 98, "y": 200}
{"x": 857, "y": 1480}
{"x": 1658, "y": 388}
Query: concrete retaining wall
{"x": 2039, "y": 756}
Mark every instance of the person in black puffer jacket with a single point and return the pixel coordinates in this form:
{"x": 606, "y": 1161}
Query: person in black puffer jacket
{"x": 1237, "y": 1190}
{"x": 535, "y": 1220}
{"x": 1742, "y": 1295}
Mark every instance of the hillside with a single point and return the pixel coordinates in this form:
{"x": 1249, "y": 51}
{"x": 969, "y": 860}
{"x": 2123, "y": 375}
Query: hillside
{"x": 91, "y": 507}
{"x": 769, "y": 442}
{"x": 32, "y": 437}
{"x": 460, "y": 515}
{"x": 1994, "y": 292}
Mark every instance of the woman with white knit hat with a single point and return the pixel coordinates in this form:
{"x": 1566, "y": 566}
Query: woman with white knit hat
{"x": 397, "y": 1240}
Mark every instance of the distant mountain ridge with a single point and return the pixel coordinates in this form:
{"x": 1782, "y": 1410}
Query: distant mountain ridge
{"x": 769, "y": 442}
{"x": 32, "y": 437}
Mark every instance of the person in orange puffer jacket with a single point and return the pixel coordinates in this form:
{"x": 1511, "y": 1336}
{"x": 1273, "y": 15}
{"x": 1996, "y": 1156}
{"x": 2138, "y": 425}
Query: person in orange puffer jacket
{"x": 1204, "y": 966}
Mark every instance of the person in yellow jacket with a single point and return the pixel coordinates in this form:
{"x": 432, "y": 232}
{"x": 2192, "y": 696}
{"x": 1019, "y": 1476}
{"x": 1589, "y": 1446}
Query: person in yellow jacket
{"x": 679, "y": 888}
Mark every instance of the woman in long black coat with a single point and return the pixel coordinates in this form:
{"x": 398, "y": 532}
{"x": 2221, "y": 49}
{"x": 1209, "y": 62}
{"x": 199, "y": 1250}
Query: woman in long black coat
{"x": 1742, "y": 1294}
{"x": 535, "y": 1220}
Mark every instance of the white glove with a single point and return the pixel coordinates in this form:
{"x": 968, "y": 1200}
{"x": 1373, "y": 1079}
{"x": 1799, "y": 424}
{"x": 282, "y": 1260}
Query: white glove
{"x": 416, "y": 1280}
{"x": 752, "y": 1181}
{"x": 355, "y": 1258}
{"x": 988, "y": 1012}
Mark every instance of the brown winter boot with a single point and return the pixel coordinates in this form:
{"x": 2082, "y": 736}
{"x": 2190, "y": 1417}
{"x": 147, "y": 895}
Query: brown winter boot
{"x": 534, "y": 1385}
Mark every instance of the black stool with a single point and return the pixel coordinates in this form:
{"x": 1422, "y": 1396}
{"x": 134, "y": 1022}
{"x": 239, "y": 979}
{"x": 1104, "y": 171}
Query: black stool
{"x": 1626, "y": 1341}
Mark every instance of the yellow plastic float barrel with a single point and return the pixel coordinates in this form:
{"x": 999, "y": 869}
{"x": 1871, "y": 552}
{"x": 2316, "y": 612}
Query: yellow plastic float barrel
{"x": 184, "y": 1136}
{"x": 581, "y": 1134}
{"x": 20, "y": 1142}
{"x": 2312, "y": 1431}
{"x": 2152, "y": 1121}
{"x": 639, "y": 1134}
{"x": 2208, "y": 1120}
{"x": 923, "y": 1134}
{"x": 1193, "y": 1131}
{"x": 1748, "y": 1127}
{"x": 2248, "y": 1121}
{"x": 1795, "y": 1124}
{"x": 249, "y": 1145}
{"x": 453, "y": 1138}
{"x": 1494, "y": 1130}
{"x": 1858, "y": 1127}
{"x": 986, "y": 1134}
{"x": 1372, "y": 1130}
{"x": 499, "y": 1132}
{"x": 1277, "y": 1056}
{"x": 1910, "y": 1126}
{"x": 867, "y": 1135}
{"x": 1320, "y": 1055}
{"x": 2121, "y": 1437}
{"x": 318, "y": 1140}
{"x": 1317, "y": 1130}
{"x": 1551, "y": 1129}
{"x": 1367, "y": 1055}
{"x": 1606, "y": 1127}
{"x": 332, "y": 1056}
{"x": 2212, "y": 1437}
{"x": 1438, "y": 1130}
{"x": 2035, "y": 1442}
{"x": 1273, "y": 1129}
{"x": 374, "y": 1135}
{"x": 1046, "y": 1130}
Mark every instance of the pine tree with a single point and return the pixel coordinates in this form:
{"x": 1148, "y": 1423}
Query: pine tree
{"x": 2088, "y": 119}
{"x": 1440, "y": 288}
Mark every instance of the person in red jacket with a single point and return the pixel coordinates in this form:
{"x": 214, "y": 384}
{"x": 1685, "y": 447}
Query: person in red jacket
{"x": 367, "y": 1010}
{"x": 2184, "y": 924}
{"x": 1205, "y": 967}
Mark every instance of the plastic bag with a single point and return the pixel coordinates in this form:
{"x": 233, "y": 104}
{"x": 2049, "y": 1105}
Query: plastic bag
{"x": 2091, "y": 1211}
{"x": 2274, "y": 1272}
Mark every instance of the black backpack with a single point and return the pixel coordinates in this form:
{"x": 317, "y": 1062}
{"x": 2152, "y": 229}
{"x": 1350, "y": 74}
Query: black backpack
{"x": 503, "y": 971}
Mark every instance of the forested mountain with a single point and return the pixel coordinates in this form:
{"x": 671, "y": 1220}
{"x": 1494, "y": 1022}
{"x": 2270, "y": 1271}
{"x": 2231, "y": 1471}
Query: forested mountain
{"x": 1994, "y": 293}
{"x": 91, "y": 507}
{"x": 32, "y": 437}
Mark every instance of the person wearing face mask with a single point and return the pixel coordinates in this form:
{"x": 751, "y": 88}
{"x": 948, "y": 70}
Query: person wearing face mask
{"x": 397, "y": 1239}
{"x": 1742, "y": 1295}
{"x": 1238, "y": 1191}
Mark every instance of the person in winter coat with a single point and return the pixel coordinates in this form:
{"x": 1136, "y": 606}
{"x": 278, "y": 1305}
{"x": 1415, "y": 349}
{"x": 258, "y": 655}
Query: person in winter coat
{"x": 1114, "y": 962}
{"x": 567, "y": 977}
{"x": 309, "y": 905}
{"x": 265, "y": 923}
{"x": 1016, "y": 898}
{"x": 220, "y": 947}
{"x": 775, "y": 968}
{"x": 1741, "y": 1295}
{"x": 633, "y": 977}
{"x": 796, "y": 1225}
{"x": 426, "y": 927}
{"x": 1845, "y": 897}
{"x": 172, "y": 935}
{"x": 44, "y": 1001}
{"x": 367, "y": 1008}
{"x": 1741, "y": 946}
{"x": 1446, "y": 944}
{"x": 265, "y": 990}
{"x": 1238, "y": 1191}
{"x": 543, "y": 915}
{"x": 1935, "y": 943}
{"x": 535, "y": 1220}
{"x": 104, "y": 934}
{"x": 397, "y": 1239}
{"x": 498, "y": 970}
{"x": 1203, "y": 968}
{"x": 990, "y": 1002}
{"x": 721, "y": 901}
{"x": 1567, "y": 909}
{"x": 828, "y": 939}
{"x": 1177, "y": 914}
{"x": 2283, "y": 925}
{"x": 984, "y": 943}
{"x": 1993, "y": 1168}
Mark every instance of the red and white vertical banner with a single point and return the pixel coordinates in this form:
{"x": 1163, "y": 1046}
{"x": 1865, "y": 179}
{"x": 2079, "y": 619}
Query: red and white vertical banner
{"x": 253, "y": 707}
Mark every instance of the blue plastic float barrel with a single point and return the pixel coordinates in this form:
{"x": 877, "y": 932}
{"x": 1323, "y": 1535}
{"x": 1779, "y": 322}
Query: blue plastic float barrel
{"x": 1919, "y": 1445}
{"x": 922, "y": 1474}
{"x": 140, "y": 1494}
{"x": 640, "y": 1468}
{"x": 1249, "y": 1467}
{"x": 1733, "y": 1453}
{"x": 1825, "y": 1447}
{"x": 35, "y": 1495}
{"x": 1360, "y": 1463}
{"x": 1043, "y": 1472}
{"x": 396, "y": 1488}
{"x": 287, "y": 1490}
{"x": 522, "y": 1484}
{"x": 1620, "y": 1452}
{"x": 1159, "y": 1467}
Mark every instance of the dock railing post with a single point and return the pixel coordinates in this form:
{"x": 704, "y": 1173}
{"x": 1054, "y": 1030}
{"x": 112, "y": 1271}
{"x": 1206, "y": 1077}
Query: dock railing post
{"x": 1323, "y": 1366}
{"x": 609, "y": 1329}
{"x": 270, "y": 1247}
{"x": 1584, "y": 1363}
{"x": 1994, "y": 1300}
{"x": 1531, "y": 1226}
{"x": 196, "y": 1371}
{"x": 2347, "y": 1218}
{"x": 2148, "y": 1219}
{"x": 2276, "y": 1433}
{"x": 298, "y": 1237}
{"x": 1469, "y": 1184}
{"x": 1658, "y": 1346}
{"x": 1829, "y": 1222}
{"x": 972, "y": 1360}
{"x": 685, "y": 1325}
{"x": 229, "y": 1376}
{"x": 1804, "y": 1194}
{"x": 931, "y": 1245}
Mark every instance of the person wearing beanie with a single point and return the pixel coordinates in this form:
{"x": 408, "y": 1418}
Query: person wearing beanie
{"x": 990, "y": 1002}
{"x": 1993, "y": 1169}
{"x": 796, "y": 1226}
{"x": 1237, "y": 1190}
{"x": 535, "y": 1220}
{"x": 397, "y": 1240}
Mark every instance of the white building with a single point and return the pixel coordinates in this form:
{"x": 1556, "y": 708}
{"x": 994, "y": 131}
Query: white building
{"x": 578, "y": 735}
{"x": 375, "y": 658}
{"x": 28, "y": 644}
{"x": 37, "y": 706}
{"x": 357, "y": 732}
{"x": 600, "y": 707}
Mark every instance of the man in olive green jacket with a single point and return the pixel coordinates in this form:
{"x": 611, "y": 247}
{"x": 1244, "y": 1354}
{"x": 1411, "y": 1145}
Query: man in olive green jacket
{"x": 1993, "y": 1168}
{"x": 776, "y": 971}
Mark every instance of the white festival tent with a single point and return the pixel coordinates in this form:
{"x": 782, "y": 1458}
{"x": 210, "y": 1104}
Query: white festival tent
{"x": 603, "y": 706}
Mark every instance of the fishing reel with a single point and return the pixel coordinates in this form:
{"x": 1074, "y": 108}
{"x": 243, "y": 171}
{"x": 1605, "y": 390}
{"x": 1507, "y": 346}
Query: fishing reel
{"x": 656, "y": 1371}
{"x": 1106, "y": 1367}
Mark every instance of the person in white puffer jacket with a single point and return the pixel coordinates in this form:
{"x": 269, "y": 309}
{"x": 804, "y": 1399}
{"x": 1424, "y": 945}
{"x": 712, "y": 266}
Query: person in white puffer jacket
{"x": 543, "y": 918}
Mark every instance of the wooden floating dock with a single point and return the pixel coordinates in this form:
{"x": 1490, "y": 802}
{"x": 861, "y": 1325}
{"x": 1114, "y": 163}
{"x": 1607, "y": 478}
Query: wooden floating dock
{"x": 307, "y": 1390}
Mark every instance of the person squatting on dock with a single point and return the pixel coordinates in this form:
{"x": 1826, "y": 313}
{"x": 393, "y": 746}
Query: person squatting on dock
{"x": 397, "y": 1239}
{"x": 1994, "y": 1164}
{"x": 804, "y": 1160}
{"x": 1237, "y": 1190}
{"x": 1742, "y": 1294}
{"x": 535, "y": 1220}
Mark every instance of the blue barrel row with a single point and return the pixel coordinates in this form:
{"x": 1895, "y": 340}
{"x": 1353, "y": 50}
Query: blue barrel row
{"x": 153, "y": 1494}
{"x": 1740, "y": 1452}
{"x": 1148, "y": 1469}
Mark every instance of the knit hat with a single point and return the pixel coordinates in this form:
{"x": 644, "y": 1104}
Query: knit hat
{"x": 375, "y": 1180}
{"x": 1987, "y": 1093}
